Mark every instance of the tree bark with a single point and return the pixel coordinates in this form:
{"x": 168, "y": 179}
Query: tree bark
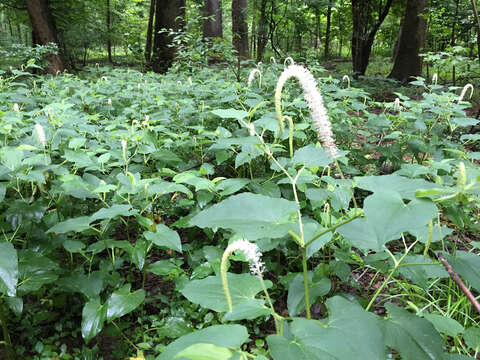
{"x": 327, "y": 30}
{"x": 148, "y": 43}
{"x": 477, "y": 26}
{"x": 240, "y": 28}
{"x": 407, "y": 62}
{"x": 363, "y": 35}
{"x": 169, "y": 14}
{"x": 45, "y": 31}
{"x": 109, "y": 38}
{"x": 262, "y": 31}
{"x": 212, "y": 24}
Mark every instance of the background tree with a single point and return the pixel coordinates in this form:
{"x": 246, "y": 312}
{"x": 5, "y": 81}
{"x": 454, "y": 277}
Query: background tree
{"x": 45, "y": 31}
{"x": 411, "y": 38}
{"x": 148, "y": 43}
{"x": 169, "y": 16}
{"x": 212, "y": 23}
{"x": 367, "y": 16}
{"x": 240, "y": 28}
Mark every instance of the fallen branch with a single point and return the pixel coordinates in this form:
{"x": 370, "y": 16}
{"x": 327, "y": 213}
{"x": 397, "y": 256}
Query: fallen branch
{"x": 459, "y": 282}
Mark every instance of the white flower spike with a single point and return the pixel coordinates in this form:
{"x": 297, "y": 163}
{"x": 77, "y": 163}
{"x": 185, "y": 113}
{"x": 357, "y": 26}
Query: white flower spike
{"x": 40, "y": 134}
{"x": 315, "y": 103}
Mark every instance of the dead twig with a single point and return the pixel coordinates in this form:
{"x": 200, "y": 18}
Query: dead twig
{"x": 459, "y": 282}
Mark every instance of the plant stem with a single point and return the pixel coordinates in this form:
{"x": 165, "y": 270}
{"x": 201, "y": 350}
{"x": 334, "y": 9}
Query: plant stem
{"x": 305, "y": 282}
{"x": 331, "y": 228}
{"x": 6, "y": 336}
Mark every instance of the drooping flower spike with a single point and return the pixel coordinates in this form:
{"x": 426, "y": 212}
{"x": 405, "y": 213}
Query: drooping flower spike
{"x": 251, "y": 77}
{"x": 315, "y": 104}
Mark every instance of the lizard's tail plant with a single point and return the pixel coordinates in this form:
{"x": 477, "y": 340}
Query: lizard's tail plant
{"x": 464, "y": 92}
{"x": 253, "y": 255}
{"x": 251, "y": 77}
{"x": 434, "y": 79}
{"x": 288, "y": 61}
{"x": 347, "y": 79}
{"x": 315, "y": 104}
{"x": 273, "y": 60}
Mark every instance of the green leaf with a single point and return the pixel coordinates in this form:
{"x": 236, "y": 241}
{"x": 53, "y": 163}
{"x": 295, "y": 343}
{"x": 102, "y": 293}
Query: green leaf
{"x": 77, "y": 224}
{"x": 230, "y": 336}
{"x": 311, "y": 156}
{"x": 11, "y": 158}
{"x": 204, "y": 352}
{"x": 162, "y": 267}
{"x": 413, "y": 337}
{"x": 472, "y": 338}
{"x": 467, "y": 265}
{"x": 93, "y": 318}
{"x": 209, "y": 292}
{"x": 251, "y": 215}
{"x": 230, "y": 113}
{"x": 445, "y": 325}
{"x": 89, "y": 285}
{"x": 350, "y": 333}
{"x": 190, "y": 178}
{"x": 231, "y": 186}
{"x": 296, "y": 293}
{"x": 420, "y": 274}
{"x": 8, "y": 267}
{"x": 386, "y": 218}
{"x": 404, "y": 186}
{"x": 112, "y": 212}
{"x": 35, "y": 270}
{"x": 3, "y": 190}
{"x": 164, "y": 237}
{"x": 122, "y": 302}
{"x": 166, "y": 188}
{"x": 250, "y": 309}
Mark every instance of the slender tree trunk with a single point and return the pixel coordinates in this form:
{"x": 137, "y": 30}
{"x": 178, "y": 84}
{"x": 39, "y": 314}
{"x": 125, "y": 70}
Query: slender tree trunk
{"x": 454, "y": 24}
{"x": 169, "y": 14}
{"x": 363, "y": 35}
{"x": 45, "y": 31}
{"x": 327, "y": 30}
{"x": 212, "y": 24}
{"x": 477, "y": 25}
{"x": 408, "y": 63}
{"x": 240, "y": 28}
{"x": 109, "y": 35}
{"x": 148, "y": 43}
{"x": 262, "y": 31}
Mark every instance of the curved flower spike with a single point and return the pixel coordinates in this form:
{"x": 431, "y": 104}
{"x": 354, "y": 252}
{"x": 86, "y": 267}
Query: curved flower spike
{"x": 288, "y": 61}
{"x": 273, "y": 60}
{"x": 251, "y": 77}
{"x": 435, "y": 79}
{"x": 40, "y": 134}
{"x": 347, "y": 79}
{"x": 315, "y": 104}
{"x": 464, "y": 91}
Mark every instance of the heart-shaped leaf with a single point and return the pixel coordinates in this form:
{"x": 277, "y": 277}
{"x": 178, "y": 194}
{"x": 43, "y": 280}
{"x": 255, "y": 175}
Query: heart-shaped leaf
{"x": 164, "y": 237}
{"x": 8, "y": 267}
{"x": 93, "y": 318}
{"x": 122, "y": 302}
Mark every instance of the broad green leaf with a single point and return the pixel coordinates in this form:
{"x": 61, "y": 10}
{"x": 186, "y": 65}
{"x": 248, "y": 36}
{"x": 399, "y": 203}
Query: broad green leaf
{"x": 230, "y": 336}
{"x": 3, "y": 190}
{"x": 420, "y": 274}
{"x": 386, "y": 218}
{"x": 73, "y": 246}
{"x": 230, "y": 113}
{"x": 200, "y": 183}
{"x": 11, "y": 158}
{"x": 231, "y": 186}
{"x": 204, "y": 352}
{"x": 350, "y": 333}
{"x": 35, "y": 270}
{"x": 404, "y": 186}
{"x": 250, "y": 309}
{"x": 166, "y": 188}
{"x": 467, "y": 265}
{"x": 8, "y": 267}
{"x": 445, "y": 325}
{"x": 77, "y": 224}
{"x": 122, "y": 302}
{"x": 89, "y": 285}
{"x": 93, "y": 318}
{"x": 112, "y": 212}
{"x": 209, "y": 292}
{"x": 15, "y": 304}
{"x": 162, "y": 267}
{"x": 311, "y": 156}
{"x": 472, "y": 338}
{"x": 296, "y": 293}
{"x": 164, "y": 237}
{"x": 411, "y": 336}
{"x": 251, "y": 215}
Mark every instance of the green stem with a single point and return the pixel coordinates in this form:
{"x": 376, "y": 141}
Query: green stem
{"x": 6, "y": 335}
{"x": 347, "y": 185}
{"x": 276, "y": 317}
{"x": 305, "y": 282}
{"x": 331, "y": 228}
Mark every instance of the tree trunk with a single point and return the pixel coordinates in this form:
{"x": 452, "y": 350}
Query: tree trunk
{"x": 45, "y": 31}
{"x": 454, "y": 24}
{"x": 212, "y": 24}
{"x": 477, "y": 25}
{"x": 262, "y": 31}
{"x": 148, "y": 43}
{"x": 408, "y": 63}
{"x": 109, "y": 38}
{"x": 240, "y": 28}
{"x": 327, "y": 30}
{"x": 169, "y": 14}
{"x": 363, "y": 35}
